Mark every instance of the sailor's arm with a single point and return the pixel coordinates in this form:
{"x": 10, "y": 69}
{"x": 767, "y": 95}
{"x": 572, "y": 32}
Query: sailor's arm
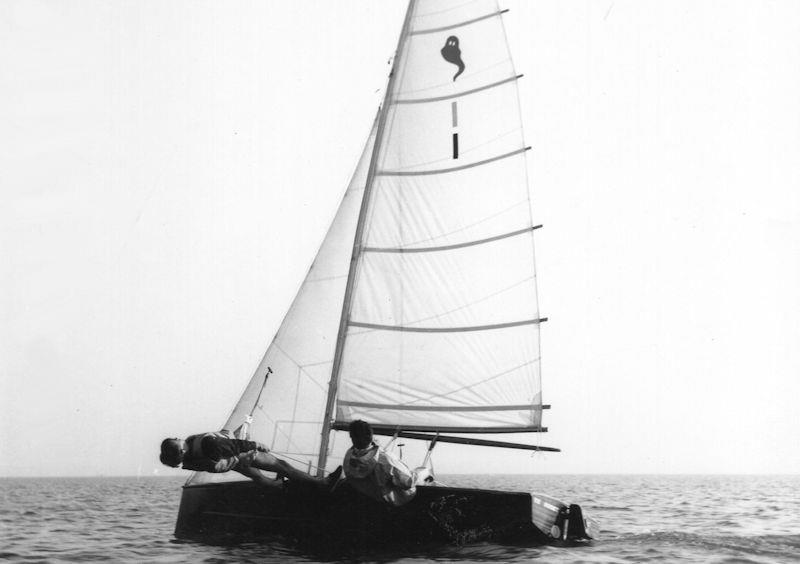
{"x": 217, "y": 458}
{"x": 401, "y": 476}
{"x": 208, "y": 465}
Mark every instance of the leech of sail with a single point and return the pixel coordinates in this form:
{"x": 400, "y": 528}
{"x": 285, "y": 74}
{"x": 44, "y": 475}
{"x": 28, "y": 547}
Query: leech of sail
{"x": 446, "y": 329}
{"x": 458, "y": 95}
{"x": 460, "y": 24}
{"x": 401, "y": 407}
{"x": 453, "y": 169}
{"x": 448, "y": 247}
{"x": 392, "y": 429}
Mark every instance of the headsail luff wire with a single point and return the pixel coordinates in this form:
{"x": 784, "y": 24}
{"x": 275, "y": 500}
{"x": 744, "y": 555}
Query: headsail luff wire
{"x": 337, "y": 359}
{"x": 243, "y": 432}
{"x": 258, "y": 398}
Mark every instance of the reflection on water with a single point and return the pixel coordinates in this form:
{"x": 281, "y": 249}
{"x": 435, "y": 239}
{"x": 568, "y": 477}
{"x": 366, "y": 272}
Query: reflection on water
{"x": 642, "y": 518}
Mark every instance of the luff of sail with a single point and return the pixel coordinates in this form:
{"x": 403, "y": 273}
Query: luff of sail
{"x": 443, "y": 324}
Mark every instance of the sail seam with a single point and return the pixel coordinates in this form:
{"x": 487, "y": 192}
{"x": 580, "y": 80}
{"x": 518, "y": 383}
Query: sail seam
{"x": 447, "y": 329}
{"x": 476, "y": 384}
{"x": 469, "y": 225}
{"x": 460, "y": 24}
{"x": 453, "y": 169}
{"x": 459, "y": 308}
{"x": 473, "y": 148}
{"x": 451, "y": 96}
{"x": 301, "y": 367}
{"x": 449, "y": 247}
{"x": 406, "y": 407}
{"x": 439, "y": 85}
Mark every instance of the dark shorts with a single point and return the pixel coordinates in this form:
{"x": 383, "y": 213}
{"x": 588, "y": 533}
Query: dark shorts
{"x": 245, "y": 459}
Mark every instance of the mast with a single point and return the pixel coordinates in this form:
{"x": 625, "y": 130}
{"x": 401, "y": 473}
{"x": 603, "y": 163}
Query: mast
{"x": 348, "y": 293}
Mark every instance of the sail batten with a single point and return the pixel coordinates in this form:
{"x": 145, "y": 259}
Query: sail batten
{"x": 451, "y": 169}
{"x": 446, "y": 329}
{"x": 458, "y": 94}
{"x": 448, "y": 247}
{"x": 459, "y": 24}
{"x": 407, "y": 407}
{"x": 389, "y": 429}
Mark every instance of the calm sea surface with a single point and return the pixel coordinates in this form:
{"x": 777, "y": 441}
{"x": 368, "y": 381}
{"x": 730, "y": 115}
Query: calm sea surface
{"x": 642, "y": 519}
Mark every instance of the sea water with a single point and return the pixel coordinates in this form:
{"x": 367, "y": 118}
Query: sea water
{"x": 642, "y": 519}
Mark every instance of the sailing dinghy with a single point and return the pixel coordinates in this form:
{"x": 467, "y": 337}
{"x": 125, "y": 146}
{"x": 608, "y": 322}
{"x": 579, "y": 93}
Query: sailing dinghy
{"x": 418, "y": 315}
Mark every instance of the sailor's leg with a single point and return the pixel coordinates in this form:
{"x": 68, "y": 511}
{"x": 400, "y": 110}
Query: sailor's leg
{"x": 257, "y": 476}
{"x": 270, "y": 462}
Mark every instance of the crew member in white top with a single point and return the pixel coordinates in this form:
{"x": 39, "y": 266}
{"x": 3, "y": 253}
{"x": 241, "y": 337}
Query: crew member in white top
{"x": 378, "y": 474}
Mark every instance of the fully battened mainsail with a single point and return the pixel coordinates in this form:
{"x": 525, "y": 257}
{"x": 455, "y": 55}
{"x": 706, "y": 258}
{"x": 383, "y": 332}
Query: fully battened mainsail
{"x": 420, "y": 311}
{"x": 442, "y": 330}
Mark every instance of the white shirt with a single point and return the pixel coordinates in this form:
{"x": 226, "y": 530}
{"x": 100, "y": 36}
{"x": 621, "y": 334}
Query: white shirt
{"x": 379, "y": 475}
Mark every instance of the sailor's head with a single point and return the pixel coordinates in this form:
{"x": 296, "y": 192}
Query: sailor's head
{"x": 360, "y": 433}
{"x": 171, "y": 452}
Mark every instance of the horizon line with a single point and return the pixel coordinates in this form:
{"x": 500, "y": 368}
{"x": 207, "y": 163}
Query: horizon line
{"x": 151, "y": 476}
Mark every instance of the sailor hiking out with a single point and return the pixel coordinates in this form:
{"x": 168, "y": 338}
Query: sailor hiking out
{"x": 221, "y": 451}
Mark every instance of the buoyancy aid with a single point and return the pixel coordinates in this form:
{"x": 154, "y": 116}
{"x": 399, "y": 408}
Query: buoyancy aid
{"x": 206, "y": 449}
{"x": 377, "y": 474}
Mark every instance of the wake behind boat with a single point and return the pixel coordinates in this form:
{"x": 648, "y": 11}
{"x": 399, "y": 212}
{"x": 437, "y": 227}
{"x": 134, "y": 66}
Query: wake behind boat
{"x": 419, "y": 314}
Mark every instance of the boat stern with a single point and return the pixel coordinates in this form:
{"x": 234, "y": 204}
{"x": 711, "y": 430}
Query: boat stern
{"x": 562, "y": 522}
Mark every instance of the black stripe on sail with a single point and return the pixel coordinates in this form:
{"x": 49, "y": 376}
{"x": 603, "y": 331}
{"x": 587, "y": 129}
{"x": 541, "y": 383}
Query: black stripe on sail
{"x": 455, "y": 145}
{"x": 445, "y": 329}
{"x": 452, "y": 169}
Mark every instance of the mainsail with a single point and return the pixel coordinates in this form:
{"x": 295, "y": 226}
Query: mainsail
{"x": 420, "y": 311}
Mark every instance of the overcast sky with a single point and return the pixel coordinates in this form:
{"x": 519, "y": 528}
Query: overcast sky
{"x": 168, "y": 170}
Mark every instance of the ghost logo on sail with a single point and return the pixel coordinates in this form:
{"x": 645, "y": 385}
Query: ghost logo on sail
{"x": 452, "y": 54}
